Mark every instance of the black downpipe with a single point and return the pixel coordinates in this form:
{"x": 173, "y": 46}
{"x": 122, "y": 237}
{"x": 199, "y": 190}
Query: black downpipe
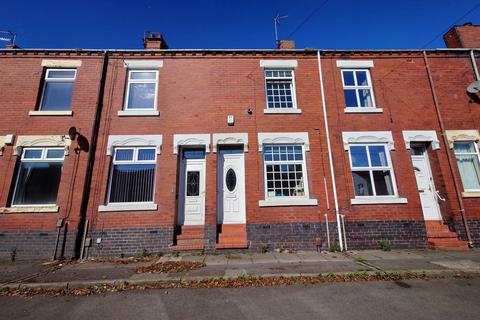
{"x": 91, "y": 158}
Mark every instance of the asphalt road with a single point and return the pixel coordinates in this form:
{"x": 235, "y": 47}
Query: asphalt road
{"x": 416, "y": 299}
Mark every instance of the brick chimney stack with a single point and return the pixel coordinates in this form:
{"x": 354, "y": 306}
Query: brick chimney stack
{"x": 154, "y": 41}
{"x": 286, "y": 44}
{"x": 464, "y": 36}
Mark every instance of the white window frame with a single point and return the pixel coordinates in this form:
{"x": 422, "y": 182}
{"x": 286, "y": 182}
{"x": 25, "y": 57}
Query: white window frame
{"x": 357, "y": 88}
{"x": 134, "y": 160}
{"x": 281, "y": 162}
{"x": 477, "y": 153}
{"x": 286, "y": 138}
{"x": 43, "y": 158}
{"x": 47, "y": 80}
{"x": 292, "y": 109}
{"x": 129, "y": 81}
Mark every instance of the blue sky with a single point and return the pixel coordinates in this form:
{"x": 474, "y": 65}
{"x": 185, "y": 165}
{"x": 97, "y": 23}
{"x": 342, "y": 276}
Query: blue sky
{"x": 347, "y": 24}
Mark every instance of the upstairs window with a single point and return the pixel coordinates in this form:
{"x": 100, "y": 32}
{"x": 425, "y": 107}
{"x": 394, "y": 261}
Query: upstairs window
{"x": 371, "y": 170}
{"x": 280, "y": 89}
{"x": 142, "y": 86}
{"x": 57, "y": 89}
{"x": 284, "y": 171}
{"x": 133, "y": 175}
{"x": 38, "y": 176}
{"x": 467, "y": 155}
{"x": 357, "y": 88}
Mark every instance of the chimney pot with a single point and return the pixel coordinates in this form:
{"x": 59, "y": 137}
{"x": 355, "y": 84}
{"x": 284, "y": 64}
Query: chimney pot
{"x": 154, "y": 41}
{"x": 286, "y": 44}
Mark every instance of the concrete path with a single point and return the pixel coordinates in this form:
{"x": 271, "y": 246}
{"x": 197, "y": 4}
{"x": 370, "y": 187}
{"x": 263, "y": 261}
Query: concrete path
{"x": 87, "y": 273}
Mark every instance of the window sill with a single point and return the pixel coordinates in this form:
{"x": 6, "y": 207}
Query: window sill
{"x": 471, "y": 194}
{"x": 287, "y": 202}
{"x": 50, "y": 113}
{"x": 30, "y": 209}
{"x": 282, "y": 111}
{"x": 364, "y": 110}
{"x": 138, "y": 113}
{"x": 140, "y": 206}
{"x": 379, "y": 200}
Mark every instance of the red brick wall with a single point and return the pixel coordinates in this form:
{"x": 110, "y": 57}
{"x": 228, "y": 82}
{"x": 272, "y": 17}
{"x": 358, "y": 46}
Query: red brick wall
{"x": 466, "y": 36}
{"x": 20, "y": 80}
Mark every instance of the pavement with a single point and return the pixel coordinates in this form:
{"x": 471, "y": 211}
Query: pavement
{"x": 76, "y": 274}
{"x": 441, "y": 299}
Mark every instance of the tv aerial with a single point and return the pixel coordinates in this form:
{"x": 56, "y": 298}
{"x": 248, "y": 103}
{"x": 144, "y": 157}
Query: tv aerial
{"x": 8, "y": 36}
{"x": 276, "y": 21}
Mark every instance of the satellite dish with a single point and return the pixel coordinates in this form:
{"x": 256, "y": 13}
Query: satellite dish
{"x": 474, "y": 87}
{"x": 72, "y": 133}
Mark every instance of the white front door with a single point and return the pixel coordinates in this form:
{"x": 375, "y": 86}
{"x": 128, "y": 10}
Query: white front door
{"x": 231, "y": 187}
{"x": 425, "y": 184}
{"x": 191, "y": 200}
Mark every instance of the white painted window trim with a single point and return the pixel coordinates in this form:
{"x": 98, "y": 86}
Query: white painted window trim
{"x": 47, "y": 80}
{"x": 134, "y": 141}
{"x": 283, "y": 138}
{"x": 282, "y": 110}
{"x": 378, "y": 200}
{"x": 461, "y": 135}
{"x": 41, "y": 141}
{"x": 138, "y": 113}
{"x": 471, "y": 194}
{"x": 274, "y": 202}
{"x": 50, "y": 113}
{"x": 365, "y": 137}
{"x": 49, "y": 63}
{"x": 363, "y": 110}
{"x": 282, "y": 64}
{"x": 191, "y": 140}
{"x": 230, "y": 139}
{"x": 128, "y": 206}
{"x": 293, "y": 89}
{"x": 355, "y": 64}
{"x": 143, "y": 64}
{"x": 144, "y": 81}
{"x": 421, "y": 136}
{"x": 30, "y": 209}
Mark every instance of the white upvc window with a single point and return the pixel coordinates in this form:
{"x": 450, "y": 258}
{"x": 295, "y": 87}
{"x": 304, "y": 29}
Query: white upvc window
{"x": 57, "y": 90}
{"x": 38, "y": 176}
{"x": 142, "y": 88}
{"x": 372, "y": 171}
{"x": 468, "y": 160}
{"x": 132, "y": 175}
{"x": 357, "y": 88}
{"x": 280, "y": 89}
{"x": 285, "y": 172}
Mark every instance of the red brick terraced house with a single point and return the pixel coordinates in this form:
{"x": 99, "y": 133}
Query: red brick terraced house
{"x": 110, "y": 152}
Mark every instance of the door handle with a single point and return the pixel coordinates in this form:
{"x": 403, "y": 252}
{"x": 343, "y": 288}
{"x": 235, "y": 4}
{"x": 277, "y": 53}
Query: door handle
{"x": 437, "y": 194}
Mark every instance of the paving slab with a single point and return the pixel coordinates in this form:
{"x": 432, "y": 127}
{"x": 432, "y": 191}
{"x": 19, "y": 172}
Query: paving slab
{"x": 209, "y": 271}
{"x": 235, "y": 272}
{"x": 334, "y": 256}
{"x": 11, "y": 271}
{"x": 405, "y": 264}
{"x": 459, "y": 264}
{"x": 391, "y": 255}
{"x": 216, "y": 260}
{"x": 239, "y": 259}
{"x": 194, "y": 258}
{"x": 284, "y": 257}
{"x": 259, "y": 258}
{"x": 307, "y": 256}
